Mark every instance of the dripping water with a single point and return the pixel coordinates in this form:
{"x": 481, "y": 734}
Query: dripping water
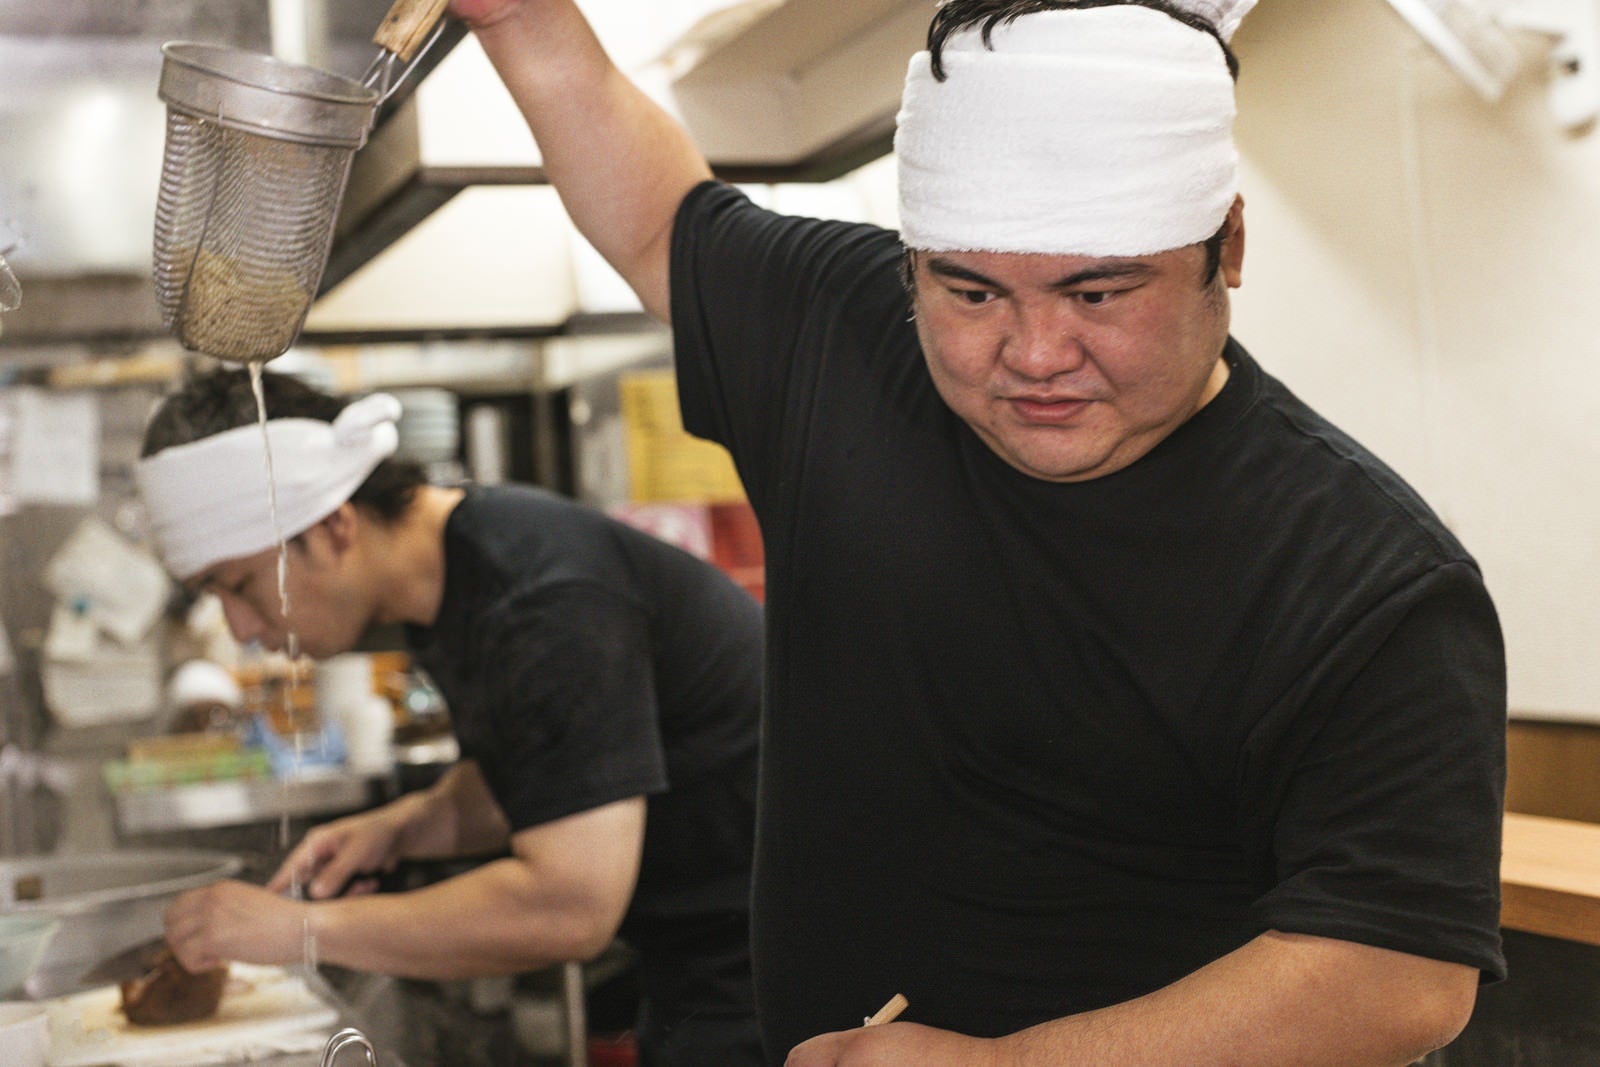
{"x": 291, "y": 649}
{"x": 256, "y": 367}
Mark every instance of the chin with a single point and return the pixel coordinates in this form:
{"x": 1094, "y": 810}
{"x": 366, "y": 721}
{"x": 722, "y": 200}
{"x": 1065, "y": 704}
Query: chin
{"x": 1058, "y": 473}
{"x": 1054, "y": 466}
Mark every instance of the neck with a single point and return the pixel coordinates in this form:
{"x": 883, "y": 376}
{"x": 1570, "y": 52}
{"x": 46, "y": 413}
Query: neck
{"x": 411, "y": 567}
{"x": 1214, "y": 384}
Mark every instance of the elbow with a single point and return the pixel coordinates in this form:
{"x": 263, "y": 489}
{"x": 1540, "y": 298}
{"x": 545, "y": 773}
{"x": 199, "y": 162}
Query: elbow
{"x": 590, "y": 935}
{"x": 1436, "y": 1017}
{"x": 590, "y": 948}
{"x": 588, "y": 941}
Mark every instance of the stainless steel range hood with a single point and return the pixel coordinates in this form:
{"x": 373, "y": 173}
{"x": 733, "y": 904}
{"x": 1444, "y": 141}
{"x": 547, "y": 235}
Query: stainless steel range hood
{"x": 774, "y": 91}
{"x": 796, "y": 91}
{"x": 83, "y": 134}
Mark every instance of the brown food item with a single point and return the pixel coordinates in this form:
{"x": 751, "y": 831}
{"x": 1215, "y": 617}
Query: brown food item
{"x": 167, "y": 993}
{"x": 241, "y": 310}
{"x": 28, "y": 887}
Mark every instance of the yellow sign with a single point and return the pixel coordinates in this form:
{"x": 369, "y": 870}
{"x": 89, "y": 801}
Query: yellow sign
{"x": 666, "y": 464}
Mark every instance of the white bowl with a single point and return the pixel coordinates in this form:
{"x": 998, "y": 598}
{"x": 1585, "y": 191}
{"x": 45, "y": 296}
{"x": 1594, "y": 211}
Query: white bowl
{"x": 23, "y": 940}
{"x": 24, "y": 1034}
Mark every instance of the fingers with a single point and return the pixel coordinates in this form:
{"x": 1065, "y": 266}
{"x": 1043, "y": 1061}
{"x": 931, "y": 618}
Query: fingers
{"x": 300, "y": 866}
{"x": 332, "y": 856}
{"x": 306, "y": 868}
{"x": 194, "y": 955}
{"x": 339, "y": 875}
{"x": 186, "y": 925}
{"x": 824, "y": 1050}
{"x": 232, "y": 920}
{"x": 361, "y": 885}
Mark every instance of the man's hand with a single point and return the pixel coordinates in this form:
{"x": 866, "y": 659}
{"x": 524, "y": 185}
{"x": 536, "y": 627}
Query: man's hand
{"x": 894, "y": 1045}
{"x": 232, "y": 920}
{"x": 331, "y": 859}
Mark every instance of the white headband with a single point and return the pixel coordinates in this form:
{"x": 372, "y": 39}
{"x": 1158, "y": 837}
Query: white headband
{"x": 208, "y": 499}
{"x": 1101, "y": 131}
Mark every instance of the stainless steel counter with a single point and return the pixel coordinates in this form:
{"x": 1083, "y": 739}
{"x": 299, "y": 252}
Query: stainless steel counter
{"x": 410, "y": 1024}
{"x": 428, "y": 1023}
{"x": 232, "y": 803}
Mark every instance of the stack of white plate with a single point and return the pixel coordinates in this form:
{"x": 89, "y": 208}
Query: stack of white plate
{"x": 430, "y": 425}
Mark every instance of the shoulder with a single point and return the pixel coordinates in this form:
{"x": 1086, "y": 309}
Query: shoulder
{"x": 1301, "y": 463}
{"x": 512, "y": 524}
{"x": 513, "y": 545}
{"x": 718, "y": 218}
{"x": 491, "y": 502}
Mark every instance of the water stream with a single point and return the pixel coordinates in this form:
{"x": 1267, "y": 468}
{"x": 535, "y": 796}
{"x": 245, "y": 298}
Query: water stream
{"x": 291, "y": 649}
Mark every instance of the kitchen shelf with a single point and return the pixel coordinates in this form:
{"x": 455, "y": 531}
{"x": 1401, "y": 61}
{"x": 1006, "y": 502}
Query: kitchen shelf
{"x": 1550, "y": 878}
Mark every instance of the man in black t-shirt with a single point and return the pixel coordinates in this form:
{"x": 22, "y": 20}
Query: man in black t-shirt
{"x": 1121, "y": 710}
{"x": 604, "y": 687}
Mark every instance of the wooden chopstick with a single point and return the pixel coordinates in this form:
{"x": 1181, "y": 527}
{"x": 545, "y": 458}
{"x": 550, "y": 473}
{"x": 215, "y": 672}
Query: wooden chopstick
{"x": 889, "y": 1012}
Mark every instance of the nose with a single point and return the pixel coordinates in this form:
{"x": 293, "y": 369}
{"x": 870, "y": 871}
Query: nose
{"x": 243, "y": 621}
{"x": 1044, "y": 340}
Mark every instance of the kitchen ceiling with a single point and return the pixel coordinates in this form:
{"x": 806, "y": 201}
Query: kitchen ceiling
{"x": 450, "y": 192}
{"x": 82, "y": 127}
{"x": 801, "y": 89}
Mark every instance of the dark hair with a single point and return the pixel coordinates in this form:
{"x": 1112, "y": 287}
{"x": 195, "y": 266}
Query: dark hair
{"x": 222, "y": 399}
{"x": 959, "y": 14}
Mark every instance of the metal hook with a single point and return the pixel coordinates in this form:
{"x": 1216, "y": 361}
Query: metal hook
{"x": 348, "y": 1036}
{"x": 380, "y": 73}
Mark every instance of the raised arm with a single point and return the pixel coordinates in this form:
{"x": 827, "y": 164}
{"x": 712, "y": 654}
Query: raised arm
{"x": 619, "y": 162}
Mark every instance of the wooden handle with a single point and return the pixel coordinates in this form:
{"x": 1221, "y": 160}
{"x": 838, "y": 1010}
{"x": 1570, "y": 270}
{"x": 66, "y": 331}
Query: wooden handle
{"x": 407, "y": 25}
{"x": 890, "y": 1011}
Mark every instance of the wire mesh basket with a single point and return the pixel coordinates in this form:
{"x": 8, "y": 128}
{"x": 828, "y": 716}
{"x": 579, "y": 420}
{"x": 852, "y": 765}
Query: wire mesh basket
{"x": 257, "y": 155}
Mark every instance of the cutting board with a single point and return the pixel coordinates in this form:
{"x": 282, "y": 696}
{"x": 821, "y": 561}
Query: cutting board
{"x": 263, "y": 1009}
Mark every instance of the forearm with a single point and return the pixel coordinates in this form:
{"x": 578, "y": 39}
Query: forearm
{"x": 490, "y": 921}
{"x": 1280, "y": 1000}
{"x": 560, "y": 896}
{"x": 1283, "y": 1000}
{"x": 620, "y": 163}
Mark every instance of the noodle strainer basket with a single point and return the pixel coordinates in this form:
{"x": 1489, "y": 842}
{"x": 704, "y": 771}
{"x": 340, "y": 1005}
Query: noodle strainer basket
{"x": 258, "y": 151}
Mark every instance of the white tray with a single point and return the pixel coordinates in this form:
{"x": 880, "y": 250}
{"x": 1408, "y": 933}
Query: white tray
{"x": 263, "y": 1010}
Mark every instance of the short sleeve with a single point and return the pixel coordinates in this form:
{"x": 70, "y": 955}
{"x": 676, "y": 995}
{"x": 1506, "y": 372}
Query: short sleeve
{"x": 1388, "y": 806}
{"x": 758, "y": 299}
{"x": 568, "y": 718}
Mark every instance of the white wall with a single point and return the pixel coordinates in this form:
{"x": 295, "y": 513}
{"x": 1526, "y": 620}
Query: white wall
{"x": 1424, "y": 268}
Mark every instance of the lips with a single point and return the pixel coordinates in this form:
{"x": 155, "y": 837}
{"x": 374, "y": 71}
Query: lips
{"x": 1048, "y": 410}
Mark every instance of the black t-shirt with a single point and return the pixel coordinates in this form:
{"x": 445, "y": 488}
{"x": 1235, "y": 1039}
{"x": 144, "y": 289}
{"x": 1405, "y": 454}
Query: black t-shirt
{"x": 585, "y": 662}
{"x": 1036, "y": 748}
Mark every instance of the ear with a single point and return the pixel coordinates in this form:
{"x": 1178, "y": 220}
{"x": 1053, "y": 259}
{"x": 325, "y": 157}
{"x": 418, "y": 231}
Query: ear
{"x": 341, "y": 526}
{"x": 1232, "y": 265}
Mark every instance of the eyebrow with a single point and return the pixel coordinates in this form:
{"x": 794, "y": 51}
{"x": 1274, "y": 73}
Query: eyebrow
{"x": 1100, "y": 272}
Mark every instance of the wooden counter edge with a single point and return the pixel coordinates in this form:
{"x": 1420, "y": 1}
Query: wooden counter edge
{"x": 1550, "y": 877}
